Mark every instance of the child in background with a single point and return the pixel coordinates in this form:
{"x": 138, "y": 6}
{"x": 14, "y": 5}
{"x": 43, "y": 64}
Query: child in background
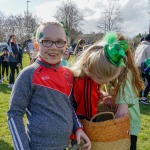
{"x": 65, "y": 58}
{"x": 0, "y": 70}
{"x": 126, "y": 90}
{"x": 145, "y": 68}
{"x": 79, "y": 47}
{"x": 5, "y": 66}
{"x": 42, "y": 91}
{"x": 14, "y": 58}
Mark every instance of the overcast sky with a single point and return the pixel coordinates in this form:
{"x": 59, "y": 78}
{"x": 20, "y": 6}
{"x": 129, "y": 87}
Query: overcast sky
{"x": 136, "y": 19}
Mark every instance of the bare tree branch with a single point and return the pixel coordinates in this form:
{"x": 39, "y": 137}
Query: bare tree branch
{"x": 111, "y": 19}
{"x": 69, "y": 13}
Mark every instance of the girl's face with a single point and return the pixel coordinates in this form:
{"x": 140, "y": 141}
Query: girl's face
{"x": 5, "y": 52}
{"x": 66, "y": 55}
{"x": 13, "y": 39}
{"x": 52, "y": 43}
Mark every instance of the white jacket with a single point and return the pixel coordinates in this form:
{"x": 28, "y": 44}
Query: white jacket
{"x": 142, "y": 53}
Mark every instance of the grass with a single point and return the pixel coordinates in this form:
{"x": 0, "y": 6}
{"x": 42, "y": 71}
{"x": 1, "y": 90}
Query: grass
{"x": 5, "y": 138}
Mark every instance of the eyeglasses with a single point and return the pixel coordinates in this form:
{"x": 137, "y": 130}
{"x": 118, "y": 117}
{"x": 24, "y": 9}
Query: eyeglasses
{"x": 49, "y": 43}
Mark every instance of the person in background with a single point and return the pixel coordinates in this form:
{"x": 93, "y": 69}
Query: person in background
{"x": 30, "y": 47}
{"x": 0, "y": 70}
{"x": 145, "y": 67}
{"x": 65, "y": 58}
{"x": 79, "y": 47}
{"x": 141, "y": 54}
{"x": 42, "y": 91}
{"x": 14, "y": 58}
{"x": 5, "y": 66}
{"x": 21, "y": 55}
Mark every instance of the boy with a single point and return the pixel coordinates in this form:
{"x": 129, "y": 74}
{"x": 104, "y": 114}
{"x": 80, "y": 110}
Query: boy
{"x": 42, "y": 91}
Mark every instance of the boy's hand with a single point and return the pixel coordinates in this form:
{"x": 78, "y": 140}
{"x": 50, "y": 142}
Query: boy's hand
{"x": 81, "y": 135}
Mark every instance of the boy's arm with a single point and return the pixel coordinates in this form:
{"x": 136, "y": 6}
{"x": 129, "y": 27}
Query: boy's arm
{"x": 78, "y": 128}
{"x": 76, "y": 123}
{"x": 19, "y": 101}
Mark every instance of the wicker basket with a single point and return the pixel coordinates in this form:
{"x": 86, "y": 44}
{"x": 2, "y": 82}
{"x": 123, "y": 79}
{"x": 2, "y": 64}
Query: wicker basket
{"x": 111, "y": 134}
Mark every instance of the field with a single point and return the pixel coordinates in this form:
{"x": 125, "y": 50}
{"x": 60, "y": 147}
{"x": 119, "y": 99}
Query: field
{"x": 5, "y": 138}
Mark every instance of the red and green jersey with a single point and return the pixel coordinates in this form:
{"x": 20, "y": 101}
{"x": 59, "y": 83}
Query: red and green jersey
{"x": 85, "y": 97}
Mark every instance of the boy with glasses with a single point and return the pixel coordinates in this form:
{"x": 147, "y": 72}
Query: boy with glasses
{"x": 42, "y": 91}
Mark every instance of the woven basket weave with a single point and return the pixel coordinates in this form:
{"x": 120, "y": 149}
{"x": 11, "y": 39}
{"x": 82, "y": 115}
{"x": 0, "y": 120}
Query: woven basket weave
{"x": 111, "y": 134}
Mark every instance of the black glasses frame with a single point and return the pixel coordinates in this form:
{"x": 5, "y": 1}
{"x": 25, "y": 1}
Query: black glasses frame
{"x": 64, "y": 42}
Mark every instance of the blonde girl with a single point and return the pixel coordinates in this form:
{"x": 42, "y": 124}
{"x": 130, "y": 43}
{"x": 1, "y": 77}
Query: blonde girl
{"x": 95, "y": 66}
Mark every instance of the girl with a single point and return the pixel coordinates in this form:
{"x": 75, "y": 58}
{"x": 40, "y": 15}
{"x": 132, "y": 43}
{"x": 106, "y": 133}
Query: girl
{"x": 126, "y": 89}
{"x": 79, "y": 47}
{"x": 65, "y": 58}
{"x": 14, "y": 58}
{"x": 96, "y": 65}
{"x": 1, "y": 81}
{"x": 145, "y": 68}
{"x": 5, "y": 65}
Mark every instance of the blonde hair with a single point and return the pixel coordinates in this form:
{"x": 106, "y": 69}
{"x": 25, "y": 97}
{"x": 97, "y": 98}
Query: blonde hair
{"x": 95, "y": 60}
{"x": 136, "y": 81}
{"x": 45, "y": 24}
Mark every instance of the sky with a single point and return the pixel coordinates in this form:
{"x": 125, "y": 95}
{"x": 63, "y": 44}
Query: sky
{"x": 134, "y": 12}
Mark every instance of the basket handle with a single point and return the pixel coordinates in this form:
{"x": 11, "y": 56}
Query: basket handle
{"x": 101, "y": 113}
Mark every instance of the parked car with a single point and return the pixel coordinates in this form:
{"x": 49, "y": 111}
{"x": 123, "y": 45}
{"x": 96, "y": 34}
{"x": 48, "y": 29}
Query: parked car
{"x": 2, "y": 45}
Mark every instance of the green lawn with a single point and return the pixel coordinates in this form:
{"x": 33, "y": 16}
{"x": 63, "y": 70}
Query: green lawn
{"x": 5, "y": 138}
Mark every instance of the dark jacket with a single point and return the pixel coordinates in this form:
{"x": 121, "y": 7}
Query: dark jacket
{"x": 14, "y": 53}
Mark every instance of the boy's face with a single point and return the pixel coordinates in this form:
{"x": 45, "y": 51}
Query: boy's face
{"x": 52, "y": 52}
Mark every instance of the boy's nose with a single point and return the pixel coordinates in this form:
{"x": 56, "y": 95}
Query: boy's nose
{"x": 53, "y": 46}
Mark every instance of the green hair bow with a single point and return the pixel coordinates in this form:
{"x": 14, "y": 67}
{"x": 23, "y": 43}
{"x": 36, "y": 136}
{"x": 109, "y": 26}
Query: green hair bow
{"x": 124, "y": 44}
{"x": 115, "y": 50}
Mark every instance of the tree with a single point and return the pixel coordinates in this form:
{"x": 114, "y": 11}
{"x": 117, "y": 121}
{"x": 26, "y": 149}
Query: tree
{"x": 149, "y": 14}
{"x": 17, "y": 24}
{"x": 110, "y": 19}
{"x": 69, "y": 14}
{"x": 2, "y": 25}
